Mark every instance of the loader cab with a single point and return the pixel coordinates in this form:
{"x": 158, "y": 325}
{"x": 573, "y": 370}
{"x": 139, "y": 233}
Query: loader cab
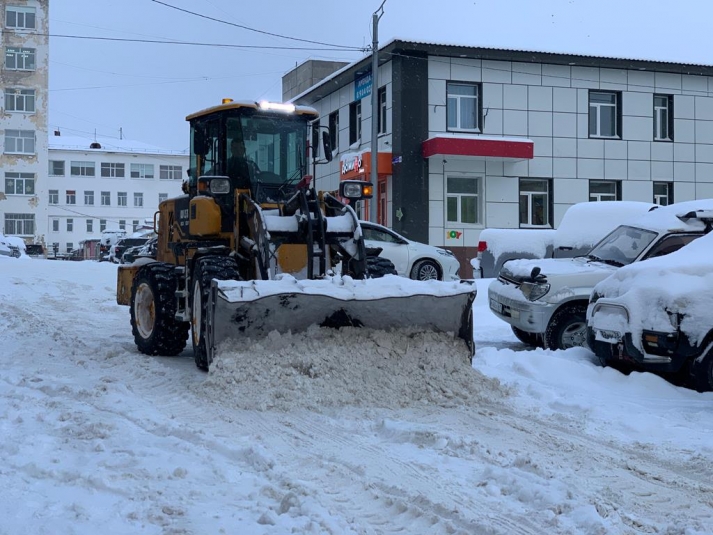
{"x": 260, "y": 147}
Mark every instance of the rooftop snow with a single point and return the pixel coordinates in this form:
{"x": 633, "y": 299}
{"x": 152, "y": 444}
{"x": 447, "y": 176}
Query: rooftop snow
{"x": 107, "y": 144}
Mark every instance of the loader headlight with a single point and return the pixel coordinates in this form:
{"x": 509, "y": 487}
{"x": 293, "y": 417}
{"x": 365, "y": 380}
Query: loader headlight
{"x": 220, "y": 186}
{"x": 355, "y": 190}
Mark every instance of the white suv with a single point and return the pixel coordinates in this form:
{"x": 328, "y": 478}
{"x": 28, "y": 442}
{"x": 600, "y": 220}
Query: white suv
{"x": 545, "y": 301}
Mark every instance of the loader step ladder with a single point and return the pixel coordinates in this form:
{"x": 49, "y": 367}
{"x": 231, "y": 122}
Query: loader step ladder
{"x": 181, "y": 294}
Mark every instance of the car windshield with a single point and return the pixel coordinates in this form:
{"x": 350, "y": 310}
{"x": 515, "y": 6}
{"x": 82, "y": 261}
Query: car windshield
{"x": 622, "y": 246}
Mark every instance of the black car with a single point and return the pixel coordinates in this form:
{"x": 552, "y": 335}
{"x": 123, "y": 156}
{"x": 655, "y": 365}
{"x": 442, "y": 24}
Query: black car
{"x": 122, "y": 245}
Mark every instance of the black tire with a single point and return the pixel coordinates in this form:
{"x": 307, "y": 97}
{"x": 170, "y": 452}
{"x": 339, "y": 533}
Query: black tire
{"x": 529, "y": 339}
{"x": 701, "y": 370}
{"x": 153, "y": 309}
{"x": 205, "y": 270}
{"x": 567, "y": 328}
{"x": 426, "y": 270}
{"x": 377, "y": 267}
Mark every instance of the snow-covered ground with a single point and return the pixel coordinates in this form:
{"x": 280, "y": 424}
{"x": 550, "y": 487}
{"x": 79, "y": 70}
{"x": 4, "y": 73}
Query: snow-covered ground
{"x": 379, "y": 436}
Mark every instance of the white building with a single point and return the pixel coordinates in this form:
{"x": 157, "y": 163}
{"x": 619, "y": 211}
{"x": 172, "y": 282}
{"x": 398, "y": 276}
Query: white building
{"x": 23, "y": 109}
{"x": 105, "y": 184}
{"x": 472, "y": 138}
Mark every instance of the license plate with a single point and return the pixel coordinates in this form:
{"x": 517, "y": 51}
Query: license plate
{"x": 609, "y": 336}
{"x": 495, "y": 306}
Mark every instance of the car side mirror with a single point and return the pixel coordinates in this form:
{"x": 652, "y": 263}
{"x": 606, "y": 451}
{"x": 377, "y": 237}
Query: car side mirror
{"x": 327, "y": 146}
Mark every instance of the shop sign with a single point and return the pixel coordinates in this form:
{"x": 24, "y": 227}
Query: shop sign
{"x": 352, "y": 164}
{"x": 454, "y": 236}
{"x": 362, "y": 86}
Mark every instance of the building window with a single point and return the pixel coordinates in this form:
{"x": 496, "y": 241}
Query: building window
{"x": 122, "y": 224}
{"x": 663, "y": 117}
{"x": 162, "y": 197}
{"x": 19, "y": 59}
{"x": 334, "y": 131}
{"x": 20, "y": 224}
{"x": 56, "y": 167}
{"x": 121, "y": 197}
{"x": 90, "y": 225}
{"x": 535, "y": 201}
{"x": 382, "y": 110}
{"x": 70, "y": 224}
{"x": 19, "y": 183}
{"x": 142, "y": 170}
{"x": 604, "y": 114}
{"x": 55, "y": 225}
{"x": 463, "y": 200}
{"x": 54, "y": 196}
{"x": 354, "y": 122}
{"x": 89, "y": 198}
{"x": 663, "y": 193}
{"x": 81, "y": 168}
{"x": 604, "y": 190}
{"x": 102, "y": 225}
{"x": 20, "y": 17}
{"x": 170, "y": 172}
{"x": 463, "y": 106}
{"x": 138, "y": 200}
{"x": 71, "y": 196}
{"x": 112, "y": 170}
{"x": 70, "y": 247}
{"x": 135, "y": 225}
{"x": 19, "y": 141}
{"x": 106, "y": 198}
{"x": 20, "y": 100}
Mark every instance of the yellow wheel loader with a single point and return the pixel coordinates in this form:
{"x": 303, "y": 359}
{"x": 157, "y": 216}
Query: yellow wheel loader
{"x": 253, "y": 247}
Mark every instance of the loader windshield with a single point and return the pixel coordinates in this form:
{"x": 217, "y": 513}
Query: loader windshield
{"x": 274, "y": 146}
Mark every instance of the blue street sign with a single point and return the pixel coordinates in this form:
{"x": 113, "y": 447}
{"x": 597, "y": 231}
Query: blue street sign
{"x": 362, "y": 86}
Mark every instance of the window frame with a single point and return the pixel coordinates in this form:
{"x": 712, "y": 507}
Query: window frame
{"x": 122, "y": 198}
{"x": 12, "y": 220}
{"x": 140, "y": 170}
{"x": 88, "y": 196}
{"x": 71, "y": 197}
{"x": 83, "y": 168}
{"x": 666, "y": 111}
{"x": 138, "y": 199}
{"x": 102, "y": 225}
{"x": 478, "y": 106}
{"x": 55, "y": 224}
{"x": 21, "y": 178}
{"x": 355, "y": 121}
{"x": 549, "y": 205}
{"x": 90, "y": 226}
{"x": 70, "y": 224}
{"x": 617, "y": 191}
{"x": 105, "y": 196}
{"x": 20, "y": 140}
{"x": 53, "y": 167}
{"x": 381, "y": 110}
{"x": 53, "y": 195}
{"x": 459, "y": 196}
{"x": 668, "y": 195}
{"x": 13, "y": 95}
{"x": 598, "y": 106}
{"x": 25, "y": 11}
{"x": 112, "y": 170}
{"x": 170, "y": 172}
{"x": 25, "y": 56}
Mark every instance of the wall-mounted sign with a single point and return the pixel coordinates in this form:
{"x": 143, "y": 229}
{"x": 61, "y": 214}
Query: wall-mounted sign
{"x": 352, "y": 164}
{"x": 362, "y": 86}
{"x": 454, "y": 237}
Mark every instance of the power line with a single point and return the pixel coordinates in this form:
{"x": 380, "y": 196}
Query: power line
{"x": 258, "y": 31}
{"x": 336, "y": 48}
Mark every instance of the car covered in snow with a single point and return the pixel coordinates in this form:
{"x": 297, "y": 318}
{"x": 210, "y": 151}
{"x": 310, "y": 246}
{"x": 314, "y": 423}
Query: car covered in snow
{"x": 411, "y": 259}
{"x": 656, "y": 315}
{"x": 545, "y": 301}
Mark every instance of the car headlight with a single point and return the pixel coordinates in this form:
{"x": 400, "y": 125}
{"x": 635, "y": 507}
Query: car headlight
{"x": 220, "y": 186}
{"x": 533, "y": 290}
{"x": 444, "y": 252}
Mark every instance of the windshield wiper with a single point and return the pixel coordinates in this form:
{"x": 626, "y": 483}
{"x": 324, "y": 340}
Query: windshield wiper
{"x": 611, "y": 262}
{"x": 593, "y": 258}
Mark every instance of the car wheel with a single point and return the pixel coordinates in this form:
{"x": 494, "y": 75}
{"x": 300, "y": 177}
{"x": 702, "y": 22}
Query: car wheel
{"x": 702, "y": 370}
{"x": 529, "y": 339}
{"x": 425, "y": 270}
{"x": 567, "y": 328}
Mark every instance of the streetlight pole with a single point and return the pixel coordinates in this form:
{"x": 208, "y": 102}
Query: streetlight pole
{"x": 375, "y": 112}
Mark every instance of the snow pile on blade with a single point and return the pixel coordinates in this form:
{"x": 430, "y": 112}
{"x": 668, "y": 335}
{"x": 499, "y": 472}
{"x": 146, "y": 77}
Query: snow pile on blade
{"x": 252, "y": 309}
{"x": 324, "y": 368}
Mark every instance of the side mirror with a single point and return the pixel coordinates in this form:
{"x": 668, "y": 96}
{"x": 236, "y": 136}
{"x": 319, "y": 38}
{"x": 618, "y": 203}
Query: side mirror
{"x": 327, "y": 146}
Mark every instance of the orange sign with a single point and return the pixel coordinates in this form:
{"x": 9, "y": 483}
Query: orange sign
{"x": 359, "y": 167}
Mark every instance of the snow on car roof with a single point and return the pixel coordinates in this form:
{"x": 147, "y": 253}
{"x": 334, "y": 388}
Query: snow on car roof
{"x": 666, "y": 218}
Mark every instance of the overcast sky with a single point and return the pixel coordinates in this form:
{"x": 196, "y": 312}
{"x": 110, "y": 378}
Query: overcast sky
{"x": 147, "y": 89}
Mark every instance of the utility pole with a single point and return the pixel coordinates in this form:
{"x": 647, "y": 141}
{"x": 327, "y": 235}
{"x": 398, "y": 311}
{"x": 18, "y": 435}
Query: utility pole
{"x": 373, "y": 203}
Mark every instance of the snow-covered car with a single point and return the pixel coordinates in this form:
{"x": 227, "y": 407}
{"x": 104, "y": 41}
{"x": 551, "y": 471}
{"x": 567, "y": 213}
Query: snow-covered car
{"x": 8, "y": 248}
{"x": 656, "y": 315}
{"x": 545, "y": 301}
{"x": 411, "y": 259}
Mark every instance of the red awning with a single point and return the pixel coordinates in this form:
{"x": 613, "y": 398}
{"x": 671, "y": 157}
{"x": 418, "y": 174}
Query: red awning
{"x": 491, "y": 147}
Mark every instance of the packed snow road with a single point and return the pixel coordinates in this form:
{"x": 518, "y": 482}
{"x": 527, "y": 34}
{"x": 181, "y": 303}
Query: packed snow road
{"x": 357, "y": 433}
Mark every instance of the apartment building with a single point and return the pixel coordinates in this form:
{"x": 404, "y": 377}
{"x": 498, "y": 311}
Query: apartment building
{"x": 102, "y": 184}
{"x": 473, "y": 138}
{"x": 23, "y": 108}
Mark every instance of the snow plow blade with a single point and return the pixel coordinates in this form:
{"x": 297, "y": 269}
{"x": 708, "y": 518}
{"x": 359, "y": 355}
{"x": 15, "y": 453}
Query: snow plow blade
{"x": 238, "y": 310}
